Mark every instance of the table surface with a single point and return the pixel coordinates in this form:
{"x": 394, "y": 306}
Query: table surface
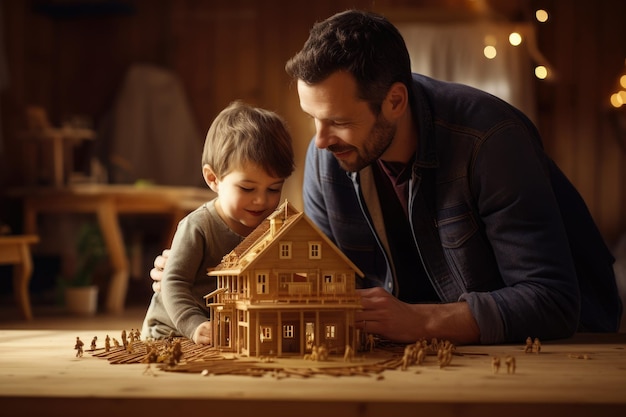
{"x": 40, "y": 375}
{"x": 122, "y": 192}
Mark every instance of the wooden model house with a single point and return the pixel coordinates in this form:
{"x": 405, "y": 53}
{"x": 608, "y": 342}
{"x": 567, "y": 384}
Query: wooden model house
{"x": 285, "y": 289}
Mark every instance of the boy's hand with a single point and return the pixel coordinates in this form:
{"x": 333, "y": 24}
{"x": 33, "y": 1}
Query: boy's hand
{"x": 156, "y": 273}
{"x": 203, "y": 334}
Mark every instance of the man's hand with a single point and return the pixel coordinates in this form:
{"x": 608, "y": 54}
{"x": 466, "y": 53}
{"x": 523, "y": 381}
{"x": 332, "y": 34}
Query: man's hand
{"x": 203, "y": 334}
{"x": 156, "y": 273}
{"x": 385, "y": 315}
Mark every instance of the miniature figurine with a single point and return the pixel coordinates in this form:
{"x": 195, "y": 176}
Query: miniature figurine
{"x": 409, "y": 357}
{"x": 93, "y": 342}
{"x": 421, "y": 355}
{"x": 79, "y": 347}
{"x": 510, "y": 364}
{"x": 423, "y": 343}
{"x": 322, "y": 353}
{"x": 444, "y": 355}
{"x": 152, "y": 356}
{"x": 529, "y": 345}
{"x": 169, "y": 340}
{"x": 495, "y": 364}
{"x": 107, "y": 344}
{"x": 537, "y": 345}
{"x": 434, "y": 344}
{"x": 175, "y": 354}
{"x": 313, "y": 355}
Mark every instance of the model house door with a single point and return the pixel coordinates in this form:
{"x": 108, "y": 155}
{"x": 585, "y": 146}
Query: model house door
{"x": 225, "y": 332}
{"x": 290, "y": 337}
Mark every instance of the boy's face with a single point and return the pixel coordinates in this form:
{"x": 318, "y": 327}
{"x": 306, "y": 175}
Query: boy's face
{"x": 246, "y": 196}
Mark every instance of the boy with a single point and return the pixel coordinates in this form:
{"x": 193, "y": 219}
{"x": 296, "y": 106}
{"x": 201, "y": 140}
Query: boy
{"x": 247, "y": 157}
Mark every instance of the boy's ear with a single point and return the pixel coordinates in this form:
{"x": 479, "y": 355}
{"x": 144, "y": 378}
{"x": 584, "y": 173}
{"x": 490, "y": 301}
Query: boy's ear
{"x": 210, "y": 178}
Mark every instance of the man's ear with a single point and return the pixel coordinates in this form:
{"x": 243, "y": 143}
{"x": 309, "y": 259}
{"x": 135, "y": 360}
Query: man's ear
{"x": 210, "y": 178}
{"x": 396, "y": 102}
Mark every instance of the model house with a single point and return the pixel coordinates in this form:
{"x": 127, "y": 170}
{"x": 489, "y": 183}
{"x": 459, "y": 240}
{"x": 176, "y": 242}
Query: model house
{"x": 285, "y": 289}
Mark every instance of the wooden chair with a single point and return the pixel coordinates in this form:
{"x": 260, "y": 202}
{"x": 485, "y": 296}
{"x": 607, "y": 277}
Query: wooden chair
{"x": 15, "y": 250}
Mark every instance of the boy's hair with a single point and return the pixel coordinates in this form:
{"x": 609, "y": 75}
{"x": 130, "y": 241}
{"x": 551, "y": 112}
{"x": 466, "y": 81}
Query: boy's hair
{"x": 242, "y": 134}
{"x": 361, "y": 43}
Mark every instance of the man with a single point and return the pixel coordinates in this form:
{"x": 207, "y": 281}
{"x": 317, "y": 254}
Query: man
{"x": 443, "y": 196}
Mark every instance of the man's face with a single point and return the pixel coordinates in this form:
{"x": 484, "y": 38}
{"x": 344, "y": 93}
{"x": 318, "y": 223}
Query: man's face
{"x": 345, "y": 124}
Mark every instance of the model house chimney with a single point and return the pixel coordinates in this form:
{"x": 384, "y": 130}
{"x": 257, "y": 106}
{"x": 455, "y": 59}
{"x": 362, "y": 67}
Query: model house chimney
{"x": 275, "y": 225}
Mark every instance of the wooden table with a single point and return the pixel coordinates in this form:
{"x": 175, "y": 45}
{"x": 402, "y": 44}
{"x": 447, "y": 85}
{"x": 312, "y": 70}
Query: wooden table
{"x": 108, "y": 202}
{"x": 40, "y": 375}
{"x": 15, "y": 250}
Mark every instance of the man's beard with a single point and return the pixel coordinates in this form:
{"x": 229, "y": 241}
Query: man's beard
{"x": 379, "y": 139}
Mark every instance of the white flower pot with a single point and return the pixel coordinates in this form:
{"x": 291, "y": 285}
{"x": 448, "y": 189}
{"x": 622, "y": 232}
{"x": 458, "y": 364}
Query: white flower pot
{"x": 82, "y": 300}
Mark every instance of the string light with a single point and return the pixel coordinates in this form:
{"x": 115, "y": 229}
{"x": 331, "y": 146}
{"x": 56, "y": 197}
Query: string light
{"x": 490, "y": 52}
{"x": 618, "y": 98}
{"x": 515, "y": 38}
{"x": 542, "y": 70}
{"x": 541, "y": 16}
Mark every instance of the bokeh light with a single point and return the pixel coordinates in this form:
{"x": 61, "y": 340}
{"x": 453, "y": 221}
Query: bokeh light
{"x": 515, "y": 38}
{"x": 541, "y": 15}
{"x": 490, "y": 52}
{"x": 541, "y": 72}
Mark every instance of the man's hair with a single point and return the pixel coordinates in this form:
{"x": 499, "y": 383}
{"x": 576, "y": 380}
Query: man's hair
{"x": 242, "y": 134}
{"x": 361, "y": 43}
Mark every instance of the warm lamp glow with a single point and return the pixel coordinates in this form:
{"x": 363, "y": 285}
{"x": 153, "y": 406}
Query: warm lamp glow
{"x": 515, "y": 38}
{"x": 616, "y": 100}
{"x": 622, "y": 80}
{"x": 622, "y": 96}
{"x": 490, "y": 52}
{"x": 541, "y": 15}
{"x": 541, "y": 72}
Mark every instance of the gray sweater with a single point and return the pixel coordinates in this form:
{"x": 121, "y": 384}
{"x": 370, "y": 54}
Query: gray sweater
{"x": 201, "y": 241}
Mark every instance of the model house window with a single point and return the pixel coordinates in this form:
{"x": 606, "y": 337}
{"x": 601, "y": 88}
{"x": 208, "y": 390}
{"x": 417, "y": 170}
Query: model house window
{"x": 261, "y": 283}
{"x": 328, "y": 278}
{"x": 331, "y": 331}
{"x": 288, "y": 330}
{"x": 315, "y": 250}
{"x": 285, "y": 250}
{"x": 266, "y": 334}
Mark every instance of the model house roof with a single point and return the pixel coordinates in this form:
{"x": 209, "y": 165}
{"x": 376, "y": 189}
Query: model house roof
{"x": 271, "y": 230}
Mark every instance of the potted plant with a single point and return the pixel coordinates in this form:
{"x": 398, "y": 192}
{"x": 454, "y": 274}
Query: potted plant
{"x": 81, "y": 295}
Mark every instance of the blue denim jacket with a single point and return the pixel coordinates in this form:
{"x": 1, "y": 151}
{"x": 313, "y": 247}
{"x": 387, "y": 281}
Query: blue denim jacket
{"x": 495, "y": 221}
